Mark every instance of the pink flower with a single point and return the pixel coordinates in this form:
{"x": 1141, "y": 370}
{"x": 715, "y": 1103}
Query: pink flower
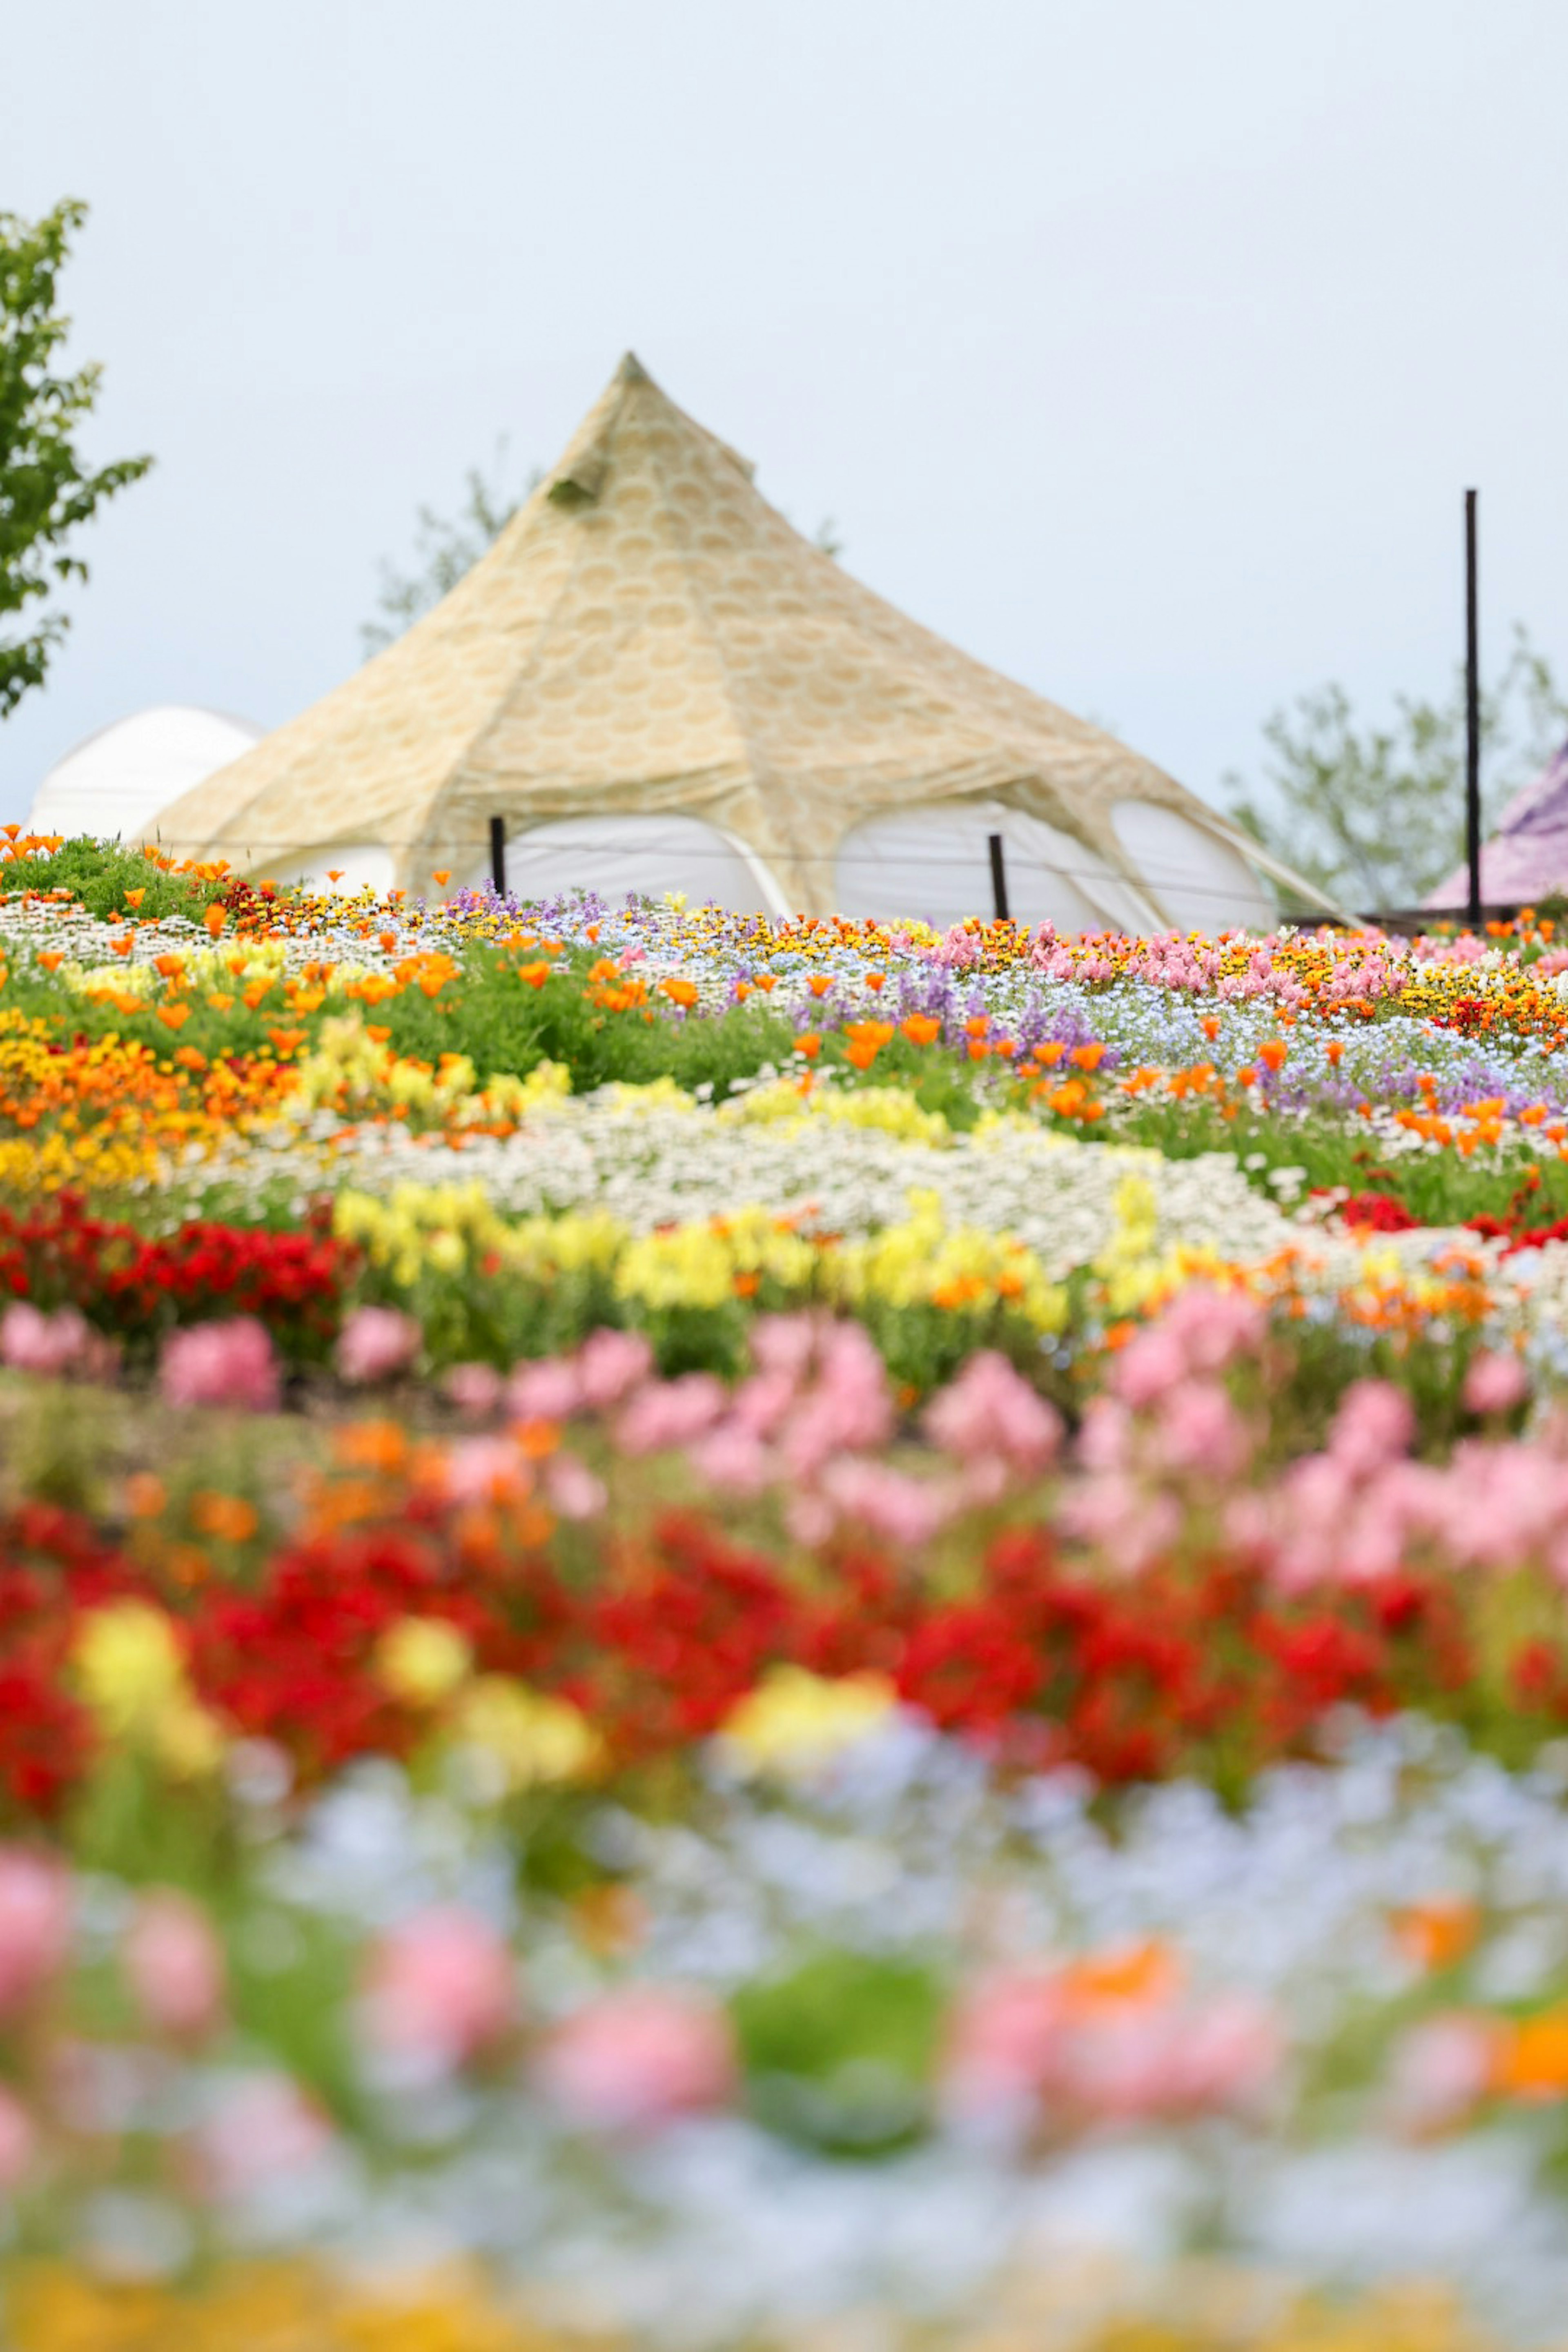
{"x": 1200, "y": 1430}
{"x": 1374, "y": 1424}
{"x": 473, "y": 1388}
{"x": 18, "y": 2142}
{"x": 35, "y": 1925}
{"x": 1004, "y": 2041}
{"x": 227, "y": 1363}
{"x": 670, "y": 1412}
{"x": 1493, "y": 1384}
{"x": 639, "y": 2058}
{"x": 265, "y": 2127}
{"x": 1150, "y": 1365}
{"x": 784, "y": 1344}
{"x": 610, "y": 1364}
{"x": 441, "y": 1989}
{"x": 734, "y": 1458}
{"x": 573, "y": 1489}
{"x": 1137, "y": 2064}
{"x": 47, "y": 1344}
{"x": 483, "y": 1470}
{"x": 1443, "y": 2068}
{"x": 990, "y": 1409}
{"x": 549, "y": 1390}
{"x": 377, "y": 1343}
{"x": 174, "y": 1966}
{"x": 905, "y": 1511}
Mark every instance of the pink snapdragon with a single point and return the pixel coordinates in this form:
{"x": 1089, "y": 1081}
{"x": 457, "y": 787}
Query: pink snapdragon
{"x": 35, "y": 1926}
{"x": 226, "y": 1363}
{"x": 441, "y": 1989}
{"x": 637, "y": 2059}
{"x": 991, "y": 1409}
{"x": 375, "y": 1344}
{"x": 174, "y": 1966}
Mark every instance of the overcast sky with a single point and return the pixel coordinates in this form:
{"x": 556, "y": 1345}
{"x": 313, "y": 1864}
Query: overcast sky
{"x": 1143, "y": 347}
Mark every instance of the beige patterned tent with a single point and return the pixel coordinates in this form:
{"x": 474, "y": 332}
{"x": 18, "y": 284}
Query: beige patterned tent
{"x": 649, "y": 655}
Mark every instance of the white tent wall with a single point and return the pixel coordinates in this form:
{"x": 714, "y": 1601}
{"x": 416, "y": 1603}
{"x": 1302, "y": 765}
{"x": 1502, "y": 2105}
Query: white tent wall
{"x": 119, "y": 780}
{"x": 1202, "y": 884}
{"x": 612, "y": 856}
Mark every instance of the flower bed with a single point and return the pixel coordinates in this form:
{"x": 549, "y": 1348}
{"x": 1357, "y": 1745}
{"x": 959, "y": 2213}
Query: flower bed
{"x": 707, "y": 1625}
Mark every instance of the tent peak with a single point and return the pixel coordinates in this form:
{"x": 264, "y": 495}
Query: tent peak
{"x": 632, "y": 371}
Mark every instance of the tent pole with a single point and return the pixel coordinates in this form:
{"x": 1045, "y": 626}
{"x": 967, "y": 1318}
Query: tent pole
{"x": 498, "y": 855}
{"x": 998, "y": 876}
{"x": 1472, "y": 720}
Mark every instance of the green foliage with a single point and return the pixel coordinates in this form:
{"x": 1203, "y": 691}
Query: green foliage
{"x": 103, "y": 873}
{"x": 840, "y": 2052}
{"x": 45, "y": 493}
{"x": 1375, "y": 816}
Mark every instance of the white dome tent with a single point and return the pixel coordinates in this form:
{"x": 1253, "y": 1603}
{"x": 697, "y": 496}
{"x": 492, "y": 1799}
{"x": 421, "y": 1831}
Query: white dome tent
{"x": 119, "y": 780}
{"x": 654, "y": 683}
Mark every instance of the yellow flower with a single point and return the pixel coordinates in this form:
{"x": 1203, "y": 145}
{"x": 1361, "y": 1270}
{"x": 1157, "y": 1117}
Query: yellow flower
{"x": 422, "y": 1660}
{"x": 129, "y": 1667}
{"x": 793, "y": 1722}
{"x": 537, "y": 1741}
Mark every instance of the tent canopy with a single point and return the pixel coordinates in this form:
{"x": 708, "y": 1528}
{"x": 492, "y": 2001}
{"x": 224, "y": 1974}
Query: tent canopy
{"x": 649, "y": 642}
{"x": 1526, "y": 859}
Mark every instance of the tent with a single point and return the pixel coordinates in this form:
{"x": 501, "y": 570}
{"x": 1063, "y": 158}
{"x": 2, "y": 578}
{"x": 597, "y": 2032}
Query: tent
{"x": 1527, "y": 857}
{"x": 655, "y": 682}
{"x": 118, "y": 780}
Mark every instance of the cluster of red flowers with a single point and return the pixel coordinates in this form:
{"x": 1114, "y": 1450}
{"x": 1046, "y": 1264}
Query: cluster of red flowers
{"x": 57, "y": 1254}
{"x": 1208, "y": 1670}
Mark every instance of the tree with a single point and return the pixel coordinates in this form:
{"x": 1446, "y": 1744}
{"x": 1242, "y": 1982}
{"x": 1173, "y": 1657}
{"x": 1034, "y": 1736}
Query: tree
{"x": 1375, "y": 817}
{"x": 448, "y": 546}
{"x": 45, "y": 492}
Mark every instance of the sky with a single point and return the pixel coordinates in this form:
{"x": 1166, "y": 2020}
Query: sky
{"x": 1143, "y": 348}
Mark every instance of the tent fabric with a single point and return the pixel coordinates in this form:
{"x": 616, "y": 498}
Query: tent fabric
{"x": 648, "y": 639}
{"x": 1527, "y": 857}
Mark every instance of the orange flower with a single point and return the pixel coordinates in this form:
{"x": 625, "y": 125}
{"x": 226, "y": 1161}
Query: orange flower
{"x": 1438, "y": 1932}
{"x": 592, "y": 933}
{"x": 1335, "y": 1051}
{"x": 51, "y": 960}
{"x": 1210, "y": 1026}
{"x": 173, "y": 1016}
{"x": 376, "y": 1033}
{"x": 820, "y": 982}
{"x": 215, "y": 919}
{"x": 920, "y": 1029}
{"x": 220, "y": 1001}
{"x": 1532, "y": 2063}
{"x": 1272, "y": 1052}
{"x": 535, "y": 975}
{"x": 145, "y": 1494}
{"x": 978, "y": 1026}
{"x": 680, "y": 992}
{"x": 253, "y": 996}
{"x": 134, "y": 897}
{"x": 1051, "y": 1052}
{"x": 287, "y": 1041}
{"x": 767, "y": 981}
{"x": 1088, "y": 1057}
{"x": 810, "y": 1046}
{"x": 228, "y": 1516}
{"x": 122, "y": 947}
{"x": 336, "y": 873}
{"x": 442, "y": 876}
{"x": 874, "y": 980}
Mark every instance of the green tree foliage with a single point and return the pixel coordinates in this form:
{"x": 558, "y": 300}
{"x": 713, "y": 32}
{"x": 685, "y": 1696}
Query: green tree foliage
{"x": 1375, "y": 816}
{"x": 45, "y": 493}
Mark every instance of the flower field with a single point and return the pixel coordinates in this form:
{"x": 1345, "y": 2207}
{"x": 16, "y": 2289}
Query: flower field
{"x": 725, "y": 1633}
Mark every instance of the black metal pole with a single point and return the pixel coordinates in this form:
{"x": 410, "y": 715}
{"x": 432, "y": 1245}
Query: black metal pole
{"x": 498, "y": 855}
{"x": 998, "y": 876}
{"x": 1472, "y": 719}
